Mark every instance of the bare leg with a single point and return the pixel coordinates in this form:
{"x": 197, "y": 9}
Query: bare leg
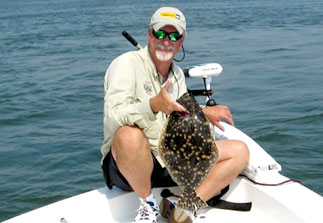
{"x": 131, "y": 151}
{"x": 233, "y": 158}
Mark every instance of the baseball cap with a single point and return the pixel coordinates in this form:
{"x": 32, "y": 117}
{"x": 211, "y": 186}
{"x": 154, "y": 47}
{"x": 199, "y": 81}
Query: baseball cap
{"x": 168, "y": 16}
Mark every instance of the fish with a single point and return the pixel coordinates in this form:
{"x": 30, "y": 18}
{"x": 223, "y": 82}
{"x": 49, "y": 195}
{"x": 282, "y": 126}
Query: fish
{"x": 187, "y": 147}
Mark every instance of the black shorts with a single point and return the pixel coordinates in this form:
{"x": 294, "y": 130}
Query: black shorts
{"x": 159, "y": 178}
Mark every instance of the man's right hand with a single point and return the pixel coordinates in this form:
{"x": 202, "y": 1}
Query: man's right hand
{"x": 163, "y": 102}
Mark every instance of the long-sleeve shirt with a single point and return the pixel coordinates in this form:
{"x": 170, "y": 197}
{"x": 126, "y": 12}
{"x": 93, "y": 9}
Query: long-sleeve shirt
{"x": 130, "y": 82}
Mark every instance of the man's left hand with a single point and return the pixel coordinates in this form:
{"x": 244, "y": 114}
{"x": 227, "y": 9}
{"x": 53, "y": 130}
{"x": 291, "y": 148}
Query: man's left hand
{"x": 218, "y": 113}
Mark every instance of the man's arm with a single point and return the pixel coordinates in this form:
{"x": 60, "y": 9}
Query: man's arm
{"x": 218, "y": 113}
{"x": 163, "y": 102}
{"x": 121, "y": 105}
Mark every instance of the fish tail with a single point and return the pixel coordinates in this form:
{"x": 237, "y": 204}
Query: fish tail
{"x": 191, "y": 201}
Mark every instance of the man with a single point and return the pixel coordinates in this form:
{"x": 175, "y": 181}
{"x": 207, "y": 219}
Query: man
{"x": 141, "y": 88}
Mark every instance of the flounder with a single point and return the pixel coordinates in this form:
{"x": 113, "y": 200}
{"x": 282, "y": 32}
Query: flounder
{"x": 188, "y": 149}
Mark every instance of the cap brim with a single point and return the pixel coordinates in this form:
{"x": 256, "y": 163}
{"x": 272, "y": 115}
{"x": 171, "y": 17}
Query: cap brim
{"x": 160, "y": 25}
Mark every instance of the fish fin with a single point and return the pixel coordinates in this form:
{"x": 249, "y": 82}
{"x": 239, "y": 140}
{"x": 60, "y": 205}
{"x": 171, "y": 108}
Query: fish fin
{"x": 191, "y": 201}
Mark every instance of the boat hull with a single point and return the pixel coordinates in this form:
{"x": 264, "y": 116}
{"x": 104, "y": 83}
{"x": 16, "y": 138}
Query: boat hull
{"x": 290, "y": 202}
{"x": 274, "y": 197}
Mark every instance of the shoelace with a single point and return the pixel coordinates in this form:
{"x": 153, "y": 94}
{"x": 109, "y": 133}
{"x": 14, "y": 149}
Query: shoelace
{"x": 146, "y": 210}
{"x": 153, "y": 207}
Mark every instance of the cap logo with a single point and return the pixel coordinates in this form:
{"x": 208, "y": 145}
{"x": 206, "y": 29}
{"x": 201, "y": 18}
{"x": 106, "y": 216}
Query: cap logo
{"x": 170, "y": 14}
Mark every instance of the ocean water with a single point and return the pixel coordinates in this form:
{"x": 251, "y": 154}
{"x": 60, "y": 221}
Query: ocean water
{"x": 53, "y": 59}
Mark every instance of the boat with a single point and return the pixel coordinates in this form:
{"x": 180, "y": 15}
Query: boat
{"x": 273, "y": 197}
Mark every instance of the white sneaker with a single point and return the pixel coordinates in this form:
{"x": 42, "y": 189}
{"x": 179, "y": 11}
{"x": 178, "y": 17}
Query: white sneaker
{"x": 147, "y": 212}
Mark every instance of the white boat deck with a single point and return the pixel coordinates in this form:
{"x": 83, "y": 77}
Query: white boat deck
{"x": 288, "y": 202}
{"x": 269, "y": 204}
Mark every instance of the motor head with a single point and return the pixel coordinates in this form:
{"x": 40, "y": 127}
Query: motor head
{"x": 204, "y": 70}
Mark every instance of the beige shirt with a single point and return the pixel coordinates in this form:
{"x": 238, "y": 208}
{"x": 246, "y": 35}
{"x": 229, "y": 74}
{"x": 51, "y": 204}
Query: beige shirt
{"x": 129, "y": 83}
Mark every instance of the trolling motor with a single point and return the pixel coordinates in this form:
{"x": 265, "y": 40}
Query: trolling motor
{"x": 206, "y": 71}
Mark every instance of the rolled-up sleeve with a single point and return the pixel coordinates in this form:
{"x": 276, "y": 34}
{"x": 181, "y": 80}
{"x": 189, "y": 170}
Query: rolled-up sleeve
{"x": 121, "y": 106}
{"x": 129, "y": 83}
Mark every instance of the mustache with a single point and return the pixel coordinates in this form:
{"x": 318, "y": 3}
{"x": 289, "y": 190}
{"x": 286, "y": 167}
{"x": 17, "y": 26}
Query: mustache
{"x": 159, "y": 45}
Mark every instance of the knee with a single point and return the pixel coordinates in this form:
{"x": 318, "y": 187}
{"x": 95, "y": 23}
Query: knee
{"x": 242, "y": 152}
{"x": 129, "y": 139}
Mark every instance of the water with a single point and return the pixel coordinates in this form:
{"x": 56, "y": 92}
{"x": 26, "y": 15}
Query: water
{"x": 54, "y": 55}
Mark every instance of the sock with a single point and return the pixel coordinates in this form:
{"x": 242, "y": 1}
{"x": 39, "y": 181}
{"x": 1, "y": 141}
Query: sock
{"x": 150, "y": 198}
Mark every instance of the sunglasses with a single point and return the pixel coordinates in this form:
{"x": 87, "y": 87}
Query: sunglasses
{"x": 161, "y": 34}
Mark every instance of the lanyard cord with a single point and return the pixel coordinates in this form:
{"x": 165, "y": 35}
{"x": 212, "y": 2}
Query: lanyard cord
{"x": 160, "y": 82}
{"x": 180, "y": 60}
{"x": 176, "y": 82}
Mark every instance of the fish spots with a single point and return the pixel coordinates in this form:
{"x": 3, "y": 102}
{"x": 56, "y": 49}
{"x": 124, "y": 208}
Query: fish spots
{"x": 188, "y": 149}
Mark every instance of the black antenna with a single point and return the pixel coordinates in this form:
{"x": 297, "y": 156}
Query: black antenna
{"x": 131, "y": 39}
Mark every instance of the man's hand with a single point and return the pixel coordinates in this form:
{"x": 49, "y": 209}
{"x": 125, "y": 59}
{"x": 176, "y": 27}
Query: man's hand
{"x": 218, "y": 113}
{"x": 163, "y": 102}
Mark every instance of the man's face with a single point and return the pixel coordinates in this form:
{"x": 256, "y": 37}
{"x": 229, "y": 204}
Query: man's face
{"x": 164, "y": 49}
